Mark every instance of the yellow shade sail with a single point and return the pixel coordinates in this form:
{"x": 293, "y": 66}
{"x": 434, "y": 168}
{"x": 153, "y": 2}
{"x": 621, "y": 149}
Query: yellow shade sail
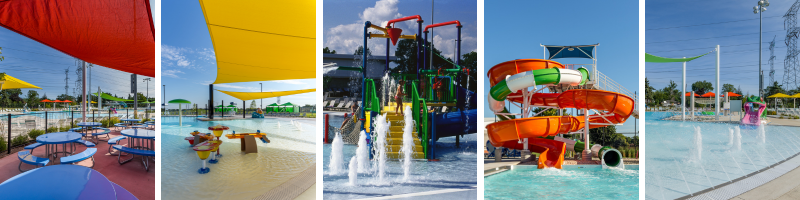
{"x": 257, "y": 40}
{"x": 796, "y": 95}
{"x": 779, "y": 95}
{"x": 244, "y": 96}
{"x": 9, "y": 82}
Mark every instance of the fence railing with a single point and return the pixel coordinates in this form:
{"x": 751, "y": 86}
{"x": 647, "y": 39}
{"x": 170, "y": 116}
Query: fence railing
{"x": 20, "y": 129}
{"x": 606, "y": 83}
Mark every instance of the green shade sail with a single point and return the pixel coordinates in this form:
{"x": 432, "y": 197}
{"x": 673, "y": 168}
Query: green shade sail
{"x": 656, "y": 59}
{"x": 178, "y": 101}
{"x": 109, "y": 97}
{"x": 287, "y": 104}
{"x": 273, "y": 104}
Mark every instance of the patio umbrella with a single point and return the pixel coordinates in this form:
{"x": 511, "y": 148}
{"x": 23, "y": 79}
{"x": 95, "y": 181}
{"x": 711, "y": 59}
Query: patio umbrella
{"x": 708, "y": 94}
{"x": 688, "y": 94}
{"x": 795, "y": 96}
{"x": 57, "y": 101}
{"x": 46, "y": 101}
{"x": 180, "y": 109}
{"x": 778, "y": 95}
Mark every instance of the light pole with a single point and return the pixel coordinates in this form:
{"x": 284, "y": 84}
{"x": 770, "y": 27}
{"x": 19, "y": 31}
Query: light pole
{"x": 146, "y": 97}
{"x": 760, "y": 8}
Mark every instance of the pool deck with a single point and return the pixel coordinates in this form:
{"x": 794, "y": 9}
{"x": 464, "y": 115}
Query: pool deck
{"x": 130, "y": 176}
{"x": 784, "y": 187}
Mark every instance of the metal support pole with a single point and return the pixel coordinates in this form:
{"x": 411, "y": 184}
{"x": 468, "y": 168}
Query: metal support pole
{"x": 210, "y": 106}
{"x": 8, "y": 144}
{"x": 386, "y": 69}
{"x": 364, "y": 85}
{"x": 716, "y": 87}
{"x": 244, "y": 110}
{"x": 83, "y": 93}
{"x": 419, "y": 46}
{"x": 587, "y": 153}
{"x": 683, "y": 93}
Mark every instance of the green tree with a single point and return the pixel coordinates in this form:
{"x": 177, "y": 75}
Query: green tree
{"x": 470, "y": 61}
{"x": 253, "y": 104}
{"x": 328, "y": 51}
{"x": 360, "y": 51}
{"x": 32, "y": 98}
{"x": 701, "y": 87}
{"x": 649, "y": 91}
{"x": 10, "y": 97}
{"x": 406, "y": 55}
{"x": 775, "y": 88}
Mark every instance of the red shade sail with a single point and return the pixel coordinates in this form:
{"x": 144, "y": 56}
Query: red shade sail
{"x": 46, "y": 101}
{"x": 708, "y": 94}
{"x": 58, "y": 101}
{"x": 67, "y": 101}
{"x": 688, "y": 94}
{"x": 113, "y": 34}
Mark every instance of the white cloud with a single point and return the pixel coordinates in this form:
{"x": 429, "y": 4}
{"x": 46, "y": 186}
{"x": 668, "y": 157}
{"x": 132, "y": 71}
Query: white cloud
{"x": 346, "y": 38}
{"x": 172, "y": 56}
{"x": 171, "y": 73}
{"x": 248, "y": 89}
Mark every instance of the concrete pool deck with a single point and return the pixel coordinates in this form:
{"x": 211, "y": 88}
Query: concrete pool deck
{"x": 784, "y": 187}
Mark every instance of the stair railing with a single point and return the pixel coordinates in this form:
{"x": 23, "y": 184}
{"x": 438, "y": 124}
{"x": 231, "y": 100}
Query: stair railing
{"x": 420, "y": 114}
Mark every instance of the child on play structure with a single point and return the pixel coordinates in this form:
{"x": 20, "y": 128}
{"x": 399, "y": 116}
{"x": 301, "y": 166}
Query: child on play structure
{"x": 398, "y": 98}
{"x": 437, "y": 87}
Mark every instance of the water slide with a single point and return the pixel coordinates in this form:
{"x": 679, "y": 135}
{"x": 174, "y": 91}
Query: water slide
{"x": 752, "y": 111}
{"x": 508, "y": 78}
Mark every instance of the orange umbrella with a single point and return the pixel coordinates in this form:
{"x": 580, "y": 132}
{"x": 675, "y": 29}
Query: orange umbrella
{"x": 690, "y": 94}
{"x": 708, "y": 94}
{"x": 731, "y": 94}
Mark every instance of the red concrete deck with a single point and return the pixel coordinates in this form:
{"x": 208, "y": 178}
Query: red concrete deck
{"x": 130, "y": 176}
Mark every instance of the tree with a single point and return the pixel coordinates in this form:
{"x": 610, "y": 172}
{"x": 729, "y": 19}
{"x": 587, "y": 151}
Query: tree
{"x": 649, "y": 91}
{"x": 470, "y": 61}
{"x": 360, "y": 51}
{"x": 253, "y": 105}
{"x": 406, "y": 54}
{"x": 701, "y": 87}
{"x": 32, "y": 98}
{"x": 10, "y": 96}
{"x": 328, "y": 51}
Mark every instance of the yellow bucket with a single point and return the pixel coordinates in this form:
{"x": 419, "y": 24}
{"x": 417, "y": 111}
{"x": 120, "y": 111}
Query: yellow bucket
{"x": 203, "y": 154}
{"x": 218, "y": 133}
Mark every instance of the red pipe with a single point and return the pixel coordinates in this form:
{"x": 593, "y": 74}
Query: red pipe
{"x": 326, "y": 129}
{"x": 391, "y": 22}
{"x": 442, "y": 24}
{"x": 345, "y": 119}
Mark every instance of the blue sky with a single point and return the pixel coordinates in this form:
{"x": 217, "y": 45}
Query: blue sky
{"x": 188, "y": 62}
{"x": 344, "y": 23}
{"x": 43, "y": 66}
{"x": 738, "y": 41}
{"x": 514, "y": 30}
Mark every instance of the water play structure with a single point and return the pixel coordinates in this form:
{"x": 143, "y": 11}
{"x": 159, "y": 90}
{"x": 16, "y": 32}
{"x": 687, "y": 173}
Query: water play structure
{"x": 568, "y": 86}
{"x": 436, "y": 113}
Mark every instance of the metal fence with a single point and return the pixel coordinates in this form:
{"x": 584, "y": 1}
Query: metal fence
{"x": 20, "y": 129}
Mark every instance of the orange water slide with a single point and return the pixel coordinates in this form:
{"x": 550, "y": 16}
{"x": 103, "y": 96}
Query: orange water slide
{"x": 616, "y": 107}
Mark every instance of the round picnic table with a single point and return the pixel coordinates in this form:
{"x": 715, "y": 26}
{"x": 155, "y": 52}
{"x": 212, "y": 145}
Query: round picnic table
{"x": 87, "y": 125}
{"x": 62, "y": 182}
{"x": 52, "y": 140}
{"x": 130, "y": 122}
{"x": 139, "y": 134}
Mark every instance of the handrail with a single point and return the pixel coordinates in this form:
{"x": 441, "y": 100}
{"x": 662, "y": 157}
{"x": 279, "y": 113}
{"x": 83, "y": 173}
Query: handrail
{"x": 418, "y": 105}
{"x": 605, "y": 83}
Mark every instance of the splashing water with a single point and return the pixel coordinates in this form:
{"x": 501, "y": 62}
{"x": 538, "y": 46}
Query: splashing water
{"x": 737, "y": 138}
{"x": 362, "y": 153}
{"x": 381, "y": 128}
{"x": 388, "y": 89}
{"x": 408, "y": 142}
{"x": 279, "y": 125}
{"x": 697, "y": 151}
{"x": 352, "y": 174}
{"x": 762, "y": 137}
{"x": 335, "y": 166}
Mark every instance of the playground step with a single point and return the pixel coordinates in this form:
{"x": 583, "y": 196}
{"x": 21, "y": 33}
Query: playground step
{"x": 400, "y": 128}
{"x": 440, "y": 104}
{"x": 396, "y": 155}
{"x": 399, "y": 141}
{"x": 396, "y": 148}
{"x": 399, "y": 134}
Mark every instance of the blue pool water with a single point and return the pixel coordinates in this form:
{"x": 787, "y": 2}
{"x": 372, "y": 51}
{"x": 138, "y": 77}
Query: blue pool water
{"x": 237, "y": 175}
{"x": 684, "y": 158}
{"x": 571, "y": 182}
{"x": 455, "y": 170}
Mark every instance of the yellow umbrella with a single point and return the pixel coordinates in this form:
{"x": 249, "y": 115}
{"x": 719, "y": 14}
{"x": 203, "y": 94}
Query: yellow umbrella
{"x": 9, "y": 82}
{"x": 779, "y": 95}
{"x": 795, "y": 96}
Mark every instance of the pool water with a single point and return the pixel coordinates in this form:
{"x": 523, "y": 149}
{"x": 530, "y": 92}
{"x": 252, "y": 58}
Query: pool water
{"x": 571, "y": 182}
{"x": 456, "y": 170}
{"x": 237, "y": 175}
{"x": 684, "y": 158}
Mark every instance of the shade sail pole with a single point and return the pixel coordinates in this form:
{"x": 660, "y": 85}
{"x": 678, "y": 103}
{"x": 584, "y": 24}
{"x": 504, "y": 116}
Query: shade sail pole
{"x": 683, "y": 91}
{"x": 83, "y": 93}
{"x": 716, "y": 95}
